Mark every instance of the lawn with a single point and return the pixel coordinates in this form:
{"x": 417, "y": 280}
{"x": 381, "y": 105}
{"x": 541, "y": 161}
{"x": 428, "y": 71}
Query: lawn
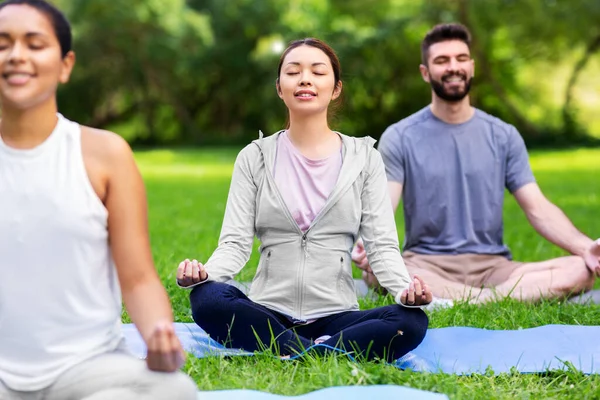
{"x": 187, "y": 191}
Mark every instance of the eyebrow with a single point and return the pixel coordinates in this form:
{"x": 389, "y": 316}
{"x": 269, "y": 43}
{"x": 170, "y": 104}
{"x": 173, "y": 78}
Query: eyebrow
{"x": 5, "y": 35}
{"x": 458, "y": 55}
{"x": 313, "y": 64}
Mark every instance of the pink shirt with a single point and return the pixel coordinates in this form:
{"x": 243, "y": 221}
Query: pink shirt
{"x": 304, "y": 184}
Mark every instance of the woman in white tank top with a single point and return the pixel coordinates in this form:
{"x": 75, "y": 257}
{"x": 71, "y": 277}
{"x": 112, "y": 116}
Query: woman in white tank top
{"x": 73, "y": 237}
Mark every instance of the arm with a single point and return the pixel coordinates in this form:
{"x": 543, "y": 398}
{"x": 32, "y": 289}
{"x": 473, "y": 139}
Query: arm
{"x": 237, "y": 231}
{"x": 390, "y": 148}
{"x": 547, "y": 219}
{"x": 143, "y": 294}
{"x": 380, "y": 238}
{"x": 359, "y": 255}
{"x": 395, "y": 191}
{"x": 550, "y": 222}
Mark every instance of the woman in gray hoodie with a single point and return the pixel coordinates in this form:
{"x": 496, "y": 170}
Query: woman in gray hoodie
{"x": 307, "y": 193}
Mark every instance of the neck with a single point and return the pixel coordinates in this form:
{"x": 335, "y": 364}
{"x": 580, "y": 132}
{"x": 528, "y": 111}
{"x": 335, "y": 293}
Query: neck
{"x": 25, "y": 129}
{"x": 452, "y": 112}
{"x": 309, "y": 131}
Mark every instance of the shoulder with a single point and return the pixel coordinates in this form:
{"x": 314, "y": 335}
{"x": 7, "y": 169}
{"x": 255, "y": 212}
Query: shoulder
{"x": 407, "y": 125}
{"x": 252, "y": 154}
{"x": 497, "y": 125}
{"x": 104, "y": 146}
{"x": 106, "y": 156}
{"x": 504, "y": 134}
{"x": 364, "y": 148}
{"x": 249, "y": 152}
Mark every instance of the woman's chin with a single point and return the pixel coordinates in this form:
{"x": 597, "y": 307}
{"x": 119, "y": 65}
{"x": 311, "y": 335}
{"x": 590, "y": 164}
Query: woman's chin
{"x": 307, "y": 109}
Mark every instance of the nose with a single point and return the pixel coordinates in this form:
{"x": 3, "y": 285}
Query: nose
{"x": 17, "y": 53}
{"x": 452, "y": 64}
{"x": 305, "y": 79}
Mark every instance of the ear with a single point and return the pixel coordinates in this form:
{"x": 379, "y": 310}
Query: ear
{"x": 424, "y": 73}
{"x": 472, "y": 68}
{"x": 337, "y": 91}
{"x": 68, "y": 62}
{"x": 278, "y": 88}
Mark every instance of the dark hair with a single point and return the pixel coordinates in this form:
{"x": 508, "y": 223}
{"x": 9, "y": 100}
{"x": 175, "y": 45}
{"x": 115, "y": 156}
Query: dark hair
{"x": 442, "y": 33}
{"x": 61, "y": 25}
{"x": 325, "y": 48}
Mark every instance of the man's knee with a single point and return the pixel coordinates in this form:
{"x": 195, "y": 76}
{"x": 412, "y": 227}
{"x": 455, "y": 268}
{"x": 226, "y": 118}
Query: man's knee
{"x": 581, "y": 279}
{"x": 586, "y": 278}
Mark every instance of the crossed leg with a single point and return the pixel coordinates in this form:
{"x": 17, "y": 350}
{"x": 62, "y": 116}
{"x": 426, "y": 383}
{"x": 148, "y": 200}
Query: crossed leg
{"x": 556, "y": 278}
{"x": 115, "y": 375}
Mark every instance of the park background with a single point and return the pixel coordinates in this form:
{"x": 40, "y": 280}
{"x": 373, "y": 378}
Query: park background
{"x": 202, "y": 72}
{"x": 189, "y": 83}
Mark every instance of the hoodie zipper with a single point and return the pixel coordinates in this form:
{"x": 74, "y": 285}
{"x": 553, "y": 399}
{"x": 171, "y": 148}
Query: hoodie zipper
{"x": 304, "y": 235}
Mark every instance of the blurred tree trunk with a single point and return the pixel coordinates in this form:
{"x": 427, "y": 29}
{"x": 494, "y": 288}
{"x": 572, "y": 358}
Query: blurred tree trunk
{"x": 485, "y": 70}
{"x": 569, "y": 119}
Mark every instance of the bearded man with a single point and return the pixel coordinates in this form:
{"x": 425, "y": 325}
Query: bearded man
{"x": 451, "y": 162}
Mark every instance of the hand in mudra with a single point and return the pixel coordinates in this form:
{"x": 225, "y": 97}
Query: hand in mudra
{"x": 190, "y": 272}
{"x": 417, "y": 294}
{"x": 165, "y": 353}
{"x": 592, "y": 257}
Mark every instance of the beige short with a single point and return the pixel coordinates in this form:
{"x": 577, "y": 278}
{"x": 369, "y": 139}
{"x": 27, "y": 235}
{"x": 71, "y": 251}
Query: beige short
{"x": 475, "y": 270}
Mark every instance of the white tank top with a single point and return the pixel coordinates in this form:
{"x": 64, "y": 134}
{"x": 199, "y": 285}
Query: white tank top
{"x": 60, "y": 301}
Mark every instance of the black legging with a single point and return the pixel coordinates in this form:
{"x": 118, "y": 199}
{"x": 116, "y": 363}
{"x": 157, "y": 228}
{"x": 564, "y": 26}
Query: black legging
{"x": 234, "y": 320}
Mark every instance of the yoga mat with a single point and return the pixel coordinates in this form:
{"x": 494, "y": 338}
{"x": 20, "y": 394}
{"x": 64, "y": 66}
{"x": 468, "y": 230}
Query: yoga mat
{"x": 338, "y": 392}
{"x": 462, "y": 350}
{"x": 591, "y": 297}
{"x": 455, "y": 350}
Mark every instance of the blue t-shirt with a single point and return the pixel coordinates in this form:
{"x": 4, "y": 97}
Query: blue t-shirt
{"x": 453, "y": 178}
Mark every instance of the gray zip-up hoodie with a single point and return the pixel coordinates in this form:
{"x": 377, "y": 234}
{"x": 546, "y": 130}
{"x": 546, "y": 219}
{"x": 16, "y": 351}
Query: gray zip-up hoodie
{"x": 308, "y": 275}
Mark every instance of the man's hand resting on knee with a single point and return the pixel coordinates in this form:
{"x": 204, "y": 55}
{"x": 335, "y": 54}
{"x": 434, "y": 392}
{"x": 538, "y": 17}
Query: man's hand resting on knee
{"x": 190, "y": 273}
{"x": 592, "y": 257}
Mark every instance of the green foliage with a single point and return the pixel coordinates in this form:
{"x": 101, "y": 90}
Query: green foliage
{"x": 203, "y": 71}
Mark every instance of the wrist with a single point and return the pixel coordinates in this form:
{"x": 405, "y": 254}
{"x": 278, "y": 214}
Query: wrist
{"x": 582, "y": 248}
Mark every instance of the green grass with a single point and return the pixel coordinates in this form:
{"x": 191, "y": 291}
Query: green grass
{"x": 187, "y": 191}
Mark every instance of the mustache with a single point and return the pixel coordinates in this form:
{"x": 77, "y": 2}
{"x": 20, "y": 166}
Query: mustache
{"x": 454, "y": 74}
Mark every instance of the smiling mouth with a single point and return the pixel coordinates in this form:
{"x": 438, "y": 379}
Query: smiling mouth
{"x": 7, "y": 75}
{"x": 454, "y": 79}
{"x": 17, "y": 78}
{"x": 305, "y": 94}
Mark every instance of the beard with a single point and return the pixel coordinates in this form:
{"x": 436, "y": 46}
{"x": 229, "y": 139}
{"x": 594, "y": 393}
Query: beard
{"x": 452, "y": 95}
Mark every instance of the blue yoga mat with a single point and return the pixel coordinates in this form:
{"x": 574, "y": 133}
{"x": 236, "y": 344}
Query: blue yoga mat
{"x": 455, "y": 350}
{"x": 338, "y": 392}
